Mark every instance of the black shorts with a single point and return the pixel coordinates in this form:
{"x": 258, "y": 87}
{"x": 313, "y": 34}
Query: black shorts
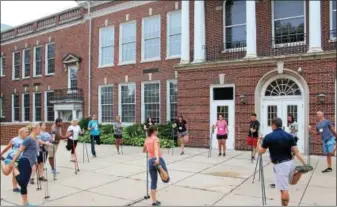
{"x": 118, "y": 136}
{"x": 218, "y": 136}
{"x": 42, "y": 155}
{"x": 296, "y": 139}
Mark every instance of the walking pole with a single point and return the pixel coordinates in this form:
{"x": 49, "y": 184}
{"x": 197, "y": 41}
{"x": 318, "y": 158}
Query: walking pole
{"x": 210, "y": 143}
{"x": 257, "y": 161}
{"x": 45, "y": 170}
{"x": 263, "y": 187}
{"x": 54, "y": 172}
{"x": 147, "y": 196}
{"x": 308, "y": 146}
{"x": 121, "y": 144}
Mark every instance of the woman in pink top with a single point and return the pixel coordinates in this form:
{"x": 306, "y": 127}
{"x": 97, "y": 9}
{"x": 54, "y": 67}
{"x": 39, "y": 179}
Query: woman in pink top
{"x": 221, "y": 135}
{"x": 156, "y": 162}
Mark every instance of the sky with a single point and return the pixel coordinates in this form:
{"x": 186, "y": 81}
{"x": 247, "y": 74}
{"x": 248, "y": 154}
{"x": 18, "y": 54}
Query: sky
{"x": 15, "y": 13}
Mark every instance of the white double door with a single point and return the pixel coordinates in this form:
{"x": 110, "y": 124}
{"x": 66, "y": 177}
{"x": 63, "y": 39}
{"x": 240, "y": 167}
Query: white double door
{"x": 281, "y": 109}
{"x": 226, "y": 108}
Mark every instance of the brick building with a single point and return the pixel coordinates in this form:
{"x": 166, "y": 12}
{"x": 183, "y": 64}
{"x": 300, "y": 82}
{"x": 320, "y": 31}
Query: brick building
{"x": 160, "y": 58}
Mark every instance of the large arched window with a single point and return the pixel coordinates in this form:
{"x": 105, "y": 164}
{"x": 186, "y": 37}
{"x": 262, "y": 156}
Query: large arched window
{"x": 283, "y": 87}
{"x": 234, "y": 24}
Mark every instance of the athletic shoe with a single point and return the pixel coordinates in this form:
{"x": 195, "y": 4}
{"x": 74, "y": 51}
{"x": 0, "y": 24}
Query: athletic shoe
{"x": 28, "y": 204}
{"x": 272, "y": 185}
{"x": 182, "y": 153}
{"x": 329, "y": 169}
{"x": 16, "y": 190}
{"x": 42, "y": 179}
{"x": 253, "y": 158}
{"x": 219, "y": 154}
{"x": 32, "y": 181}
{"x": 224, "y": 154}
{"x": 157, "y": 203}
{"x": 54, "y": 171}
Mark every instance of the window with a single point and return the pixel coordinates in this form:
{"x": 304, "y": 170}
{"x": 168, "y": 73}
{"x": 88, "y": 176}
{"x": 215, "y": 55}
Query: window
{"x": 26, "y": 63}
{"x": 2, "y": 66}
{"x": 151, "y": 101}
{"x": 1, "y": 108}
{"x": 26, "y": 107}
{"x": 283, "y": 87}
{"x": 37, "y": 107}
{"x": 272, "y": 114}
{"x": 235, "y": 24}
{"x": 15, "y": 107}
{"x": 49, "y": 106}
{"x": 106, "y": 44}
{"x": 151, "y": 38}
{"x": 222, "y": 94}
{"x": 172, "y": 89}
{"x": 16, "y": 65}
{"x": 333, "y": 19}
{"x": 106, "y": 103}
{"x": 174, "y": 34}
{"x": 127, "y": 102}
{"x": 288, "y": 21}
{"x": 37, "y": 61}
{"x": 50, "y": 59}
{"x": 72, "y": 75}
{"x": 127, "y": 48}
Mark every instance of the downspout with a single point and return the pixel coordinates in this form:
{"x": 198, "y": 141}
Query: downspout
{"x": 89, "y": 61}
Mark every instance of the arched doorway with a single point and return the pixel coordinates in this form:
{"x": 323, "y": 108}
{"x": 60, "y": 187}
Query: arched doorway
{"x": 278, "y": 95}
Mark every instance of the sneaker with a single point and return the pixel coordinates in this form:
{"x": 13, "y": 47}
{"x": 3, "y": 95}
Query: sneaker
{"x": 42, "y": 179}
{"x": 32, "y": 181}
{"x": 54, "y": 171}
{"x": 182, "y": 153}
{"x": 253, "y": 158}
{"x": 329, "y": 169}
{"x": 224, "y": 154}
{"x": 28, "y": 204}
{"x": 157, "y": 203}
{"x": 272, "y": 185}
{"x": 16, "y": 190}
{"x": 219, "y": 154}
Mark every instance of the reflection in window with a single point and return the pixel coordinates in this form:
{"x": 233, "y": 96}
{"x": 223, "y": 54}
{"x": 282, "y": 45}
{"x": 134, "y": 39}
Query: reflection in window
{"x": 283, "y": 87}
{"x": 333, "y": 19}
{"x": 152, "y": 101}
{"x": 235, "y": 24}
{"x": 292, "y": 110}
{"x": 288, "y": 21}
{"x": 272, "y": 114}
{"x": 223, "y": 110}
{"x": 128, "y": 103}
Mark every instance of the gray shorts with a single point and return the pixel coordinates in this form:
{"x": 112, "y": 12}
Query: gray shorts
{"x": 182, "y": 134}
{"x": 284, "y": 174}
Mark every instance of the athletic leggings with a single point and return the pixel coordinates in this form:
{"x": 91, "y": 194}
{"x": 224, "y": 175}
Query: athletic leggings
{"x": 25, "y": 170}
{"x": 154, "y": 172}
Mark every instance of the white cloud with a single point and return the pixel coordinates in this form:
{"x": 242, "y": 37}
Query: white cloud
{"x": 15, "y": 13}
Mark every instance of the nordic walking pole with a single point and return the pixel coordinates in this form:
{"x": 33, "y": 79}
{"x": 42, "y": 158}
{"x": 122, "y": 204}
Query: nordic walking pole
{"x": 147, "y": 196}
{"x": 308, "y": 146}
{"x": 54, "y": 172}
{"x": 75, "y": 157}
{"x": 45, "y": 170}
{"x": 263, "y": 188}
{"x": 257, "y": 161}
{"x": 210, "y": 143}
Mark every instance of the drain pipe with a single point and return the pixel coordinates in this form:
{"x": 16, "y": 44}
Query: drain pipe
{"x": 89, "y": 61}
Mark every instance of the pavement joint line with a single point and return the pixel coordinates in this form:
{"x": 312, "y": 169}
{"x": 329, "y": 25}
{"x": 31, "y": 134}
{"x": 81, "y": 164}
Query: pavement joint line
{"x": 299, "y": 203}
{"x": 2, "y": 199}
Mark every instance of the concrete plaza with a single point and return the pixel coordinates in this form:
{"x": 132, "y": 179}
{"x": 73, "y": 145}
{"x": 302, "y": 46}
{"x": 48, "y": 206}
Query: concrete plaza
{"x": 196, "y": 180}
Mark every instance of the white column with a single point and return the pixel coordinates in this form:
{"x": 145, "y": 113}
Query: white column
{"x": 56, "y": 114}
{"x": 185, "y": 32}
{"x": 315, "y": 40}
{"x": 199, "y": 31}
{"x": 74, "y": 115}
{"x": 250, "y": 29}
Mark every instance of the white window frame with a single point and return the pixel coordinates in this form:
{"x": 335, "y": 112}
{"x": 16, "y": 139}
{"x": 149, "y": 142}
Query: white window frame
{"x": 100, "y": 65}
{"x": 143, "y": 101}
{"x": 143, "y": 41}
{"x": 224, "y": 31}
{"x": 331, "y": 25}
{"x": 273, "y": 26}
{"x": 121, "y": 62}
{"x": 47, "y": 60}
{"x": 120, "y": 101}
{"x": 23, "y": 107}
{"x": 2, "y": 73}
{"x": 34, "y": 61}
{"x": 168, "y": 94}
{"x": 2, "y": 108}
{"x": 34, "y": 107}
{"x": 13, "y": 109}
{"x": 168, "y": 56}
{"x": 69, "y": 81}
{"x": 13, "y": 65}
{"x": 46, "y": 107}
{"x": 24, "y": 64}
{"x": 99, "y": 102}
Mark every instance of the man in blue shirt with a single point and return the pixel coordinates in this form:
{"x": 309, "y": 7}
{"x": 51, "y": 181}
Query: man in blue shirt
{"x": 281, "y": 145}
{"x": 328, "y": 135}
{"x": 94, "y": 134}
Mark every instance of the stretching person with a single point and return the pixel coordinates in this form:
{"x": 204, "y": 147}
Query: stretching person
{"x": 182, "y": 132}
{"x": 222, "y": 131}
{"x": 156, "y": 161}
{"x": 118, "y": 133}
{"x": 75, "y": 131}
{"x": 14, "y": 146}
{"x": 23, "y": 171}
{"x": 57, "y": 136}
{"x": 253, "y": 134}
{"x": 43, "y": 154}
{"x": 94, "y": 134}
{"x": 281, "y": 145}
{"x": 148, "y": 123}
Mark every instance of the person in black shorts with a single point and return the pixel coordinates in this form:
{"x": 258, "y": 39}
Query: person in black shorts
{"x": 118, "y": 129}
{"x": 221, "y": 134}
{"x": 182, "y": 132}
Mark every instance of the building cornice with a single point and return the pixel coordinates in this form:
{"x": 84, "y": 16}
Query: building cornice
{"x": 244, "y": 63}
